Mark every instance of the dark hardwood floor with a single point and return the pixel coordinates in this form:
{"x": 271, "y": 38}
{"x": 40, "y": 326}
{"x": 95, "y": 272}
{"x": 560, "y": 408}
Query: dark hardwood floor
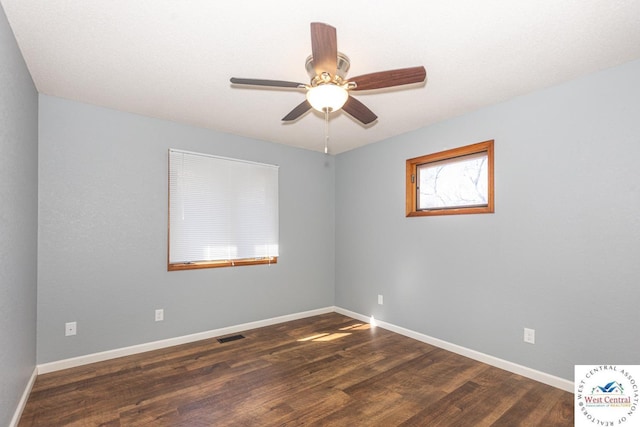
{"x": 324, "y": 370}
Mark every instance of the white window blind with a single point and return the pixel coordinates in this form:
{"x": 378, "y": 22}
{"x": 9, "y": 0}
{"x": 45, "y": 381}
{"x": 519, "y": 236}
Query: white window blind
{"x": 221, "y": 209}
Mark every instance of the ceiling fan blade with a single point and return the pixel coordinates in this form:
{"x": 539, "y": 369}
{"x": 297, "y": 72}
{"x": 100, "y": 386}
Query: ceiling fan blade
{"x": 261, "y": 82}
{"x": 302, "y": 108}
{"x": 382, "y": 79}
{"x": 359, "y": 111}
{"x": 324, "y": 48}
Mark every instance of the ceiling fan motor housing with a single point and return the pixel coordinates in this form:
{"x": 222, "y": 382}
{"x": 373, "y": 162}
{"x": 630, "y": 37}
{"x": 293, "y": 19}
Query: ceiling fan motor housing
{"x": 341, "y": 71}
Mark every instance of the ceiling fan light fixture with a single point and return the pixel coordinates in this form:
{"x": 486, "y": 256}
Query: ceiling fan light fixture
{"x": 327, "y": 97}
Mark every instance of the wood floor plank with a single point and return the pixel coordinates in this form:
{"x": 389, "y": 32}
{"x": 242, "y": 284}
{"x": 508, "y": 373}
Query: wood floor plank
{"x": 323, "y": 370}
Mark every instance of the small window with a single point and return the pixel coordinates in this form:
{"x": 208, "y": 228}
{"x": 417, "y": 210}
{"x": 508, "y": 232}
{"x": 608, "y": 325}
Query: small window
{"x": 457, "y": 181}
{"x": 222, "y": 212}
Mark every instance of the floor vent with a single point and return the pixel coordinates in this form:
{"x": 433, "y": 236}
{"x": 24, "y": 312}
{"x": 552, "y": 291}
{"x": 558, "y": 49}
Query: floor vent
{"x": 230, "y": 338}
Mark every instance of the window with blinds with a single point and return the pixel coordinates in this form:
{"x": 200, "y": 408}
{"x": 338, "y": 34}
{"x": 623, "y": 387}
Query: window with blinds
{"x": 222, "y": 212}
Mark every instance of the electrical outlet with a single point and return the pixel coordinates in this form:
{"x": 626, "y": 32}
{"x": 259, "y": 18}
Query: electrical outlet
{"x": 530, "y": 335}
{"x": 70, "y": 329}
{"x": 159, "y": 315}
{"x": 380, "y": 299}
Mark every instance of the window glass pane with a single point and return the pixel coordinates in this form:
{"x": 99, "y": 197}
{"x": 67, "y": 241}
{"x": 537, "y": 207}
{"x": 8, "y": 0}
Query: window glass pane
{"x": 457, "y": 182}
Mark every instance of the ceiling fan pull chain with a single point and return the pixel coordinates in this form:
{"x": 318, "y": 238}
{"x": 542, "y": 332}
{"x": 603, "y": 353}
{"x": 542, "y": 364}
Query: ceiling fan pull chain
{"x": 326, "y": 131}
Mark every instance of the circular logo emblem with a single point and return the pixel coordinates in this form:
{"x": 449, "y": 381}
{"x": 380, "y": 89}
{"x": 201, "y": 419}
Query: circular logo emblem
{"x": 606, "y": 395}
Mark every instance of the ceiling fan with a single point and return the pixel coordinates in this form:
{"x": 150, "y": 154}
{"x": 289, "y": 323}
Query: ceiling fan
{"x": 329, "y": 89}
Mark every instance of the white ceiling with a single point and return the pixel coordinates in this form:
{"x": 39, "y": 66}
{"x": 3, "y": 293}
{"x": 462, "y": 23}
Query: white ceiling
{"x": 172, "y": 59}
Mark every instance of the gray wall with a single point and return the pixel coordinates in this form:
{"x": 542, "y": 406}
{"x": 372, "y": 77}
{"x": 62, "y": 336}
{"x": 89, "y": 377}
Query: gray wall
{"x": 18, "y": 222}
{"x": 103, "y": 234}
{"x": 561, "y": 254}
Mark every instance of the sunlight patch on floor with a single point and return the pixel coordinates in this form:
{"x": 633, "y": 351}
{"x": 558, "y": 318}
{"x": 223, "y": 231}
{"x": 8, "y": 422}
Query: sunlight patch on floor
{"x": 332, "y": 337}
{"x": 313, "y": 337}
{"x": 326, "y": 336}
{"x": 356, "y": 327}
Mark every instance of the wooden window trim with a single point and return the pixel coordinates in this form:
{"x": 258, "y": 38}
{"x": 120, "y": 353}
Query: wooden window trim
{"x": 412, "y": 184}
{"x": 218, "y": 264}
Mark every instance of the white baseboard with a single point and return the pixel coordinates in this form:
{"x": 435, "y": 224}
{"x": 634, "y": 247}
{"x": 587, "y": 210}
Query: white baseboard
{"x": 533, "y": 374}
{"x": 155, "y": 345}
{"x": 23, "y": 400}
